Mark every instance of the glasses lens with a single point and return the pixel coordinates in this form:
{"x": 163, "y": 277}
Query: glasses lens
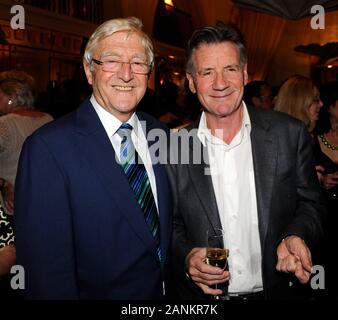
{"x": 138, "y": 67}
{"x": 114, "y": 66}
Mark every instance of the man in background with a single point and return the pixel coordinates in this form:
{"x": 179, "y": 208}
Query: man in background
{"x": 259, "y": 95}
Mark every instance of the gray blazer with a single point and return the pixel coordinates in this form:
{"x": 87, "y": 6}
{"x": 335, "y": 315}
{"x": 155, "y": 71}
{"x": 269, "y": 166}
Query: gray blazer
{"x": 287, "y": 190}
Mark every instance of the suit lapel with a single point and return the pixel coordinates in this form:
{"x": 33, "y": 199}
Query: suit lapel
{"x": 264, "y": 151}
{"x": 202, "y": 182}
{"x": 97, "y": 149}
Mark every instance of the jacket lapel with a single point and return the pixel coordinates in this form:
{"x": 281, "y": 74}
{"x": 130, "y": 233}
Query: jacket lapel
{"x": 202, "y": 182}
{"x": 264, "y": 151}
{"x": 97, "y": 149}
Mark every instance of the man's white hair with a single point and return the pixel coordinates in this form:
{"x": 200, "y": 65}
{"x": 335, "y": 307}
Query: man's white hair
{"x": 106, "y": 29}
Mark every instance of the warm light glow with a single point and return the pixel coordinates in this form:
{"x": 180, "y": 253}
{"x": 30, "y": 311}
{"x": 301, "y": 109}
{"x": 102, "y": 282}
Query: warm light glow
{"x": 169, "y": 2}
{"x": 330, "y": 66}
{"x": 176, "y": 73}
{"x": 171, "y": 57}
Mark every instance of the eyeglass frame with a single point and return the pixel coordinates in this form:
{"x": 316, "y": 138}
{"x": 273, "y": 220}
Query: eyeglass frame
{"x": 120, "y": 63}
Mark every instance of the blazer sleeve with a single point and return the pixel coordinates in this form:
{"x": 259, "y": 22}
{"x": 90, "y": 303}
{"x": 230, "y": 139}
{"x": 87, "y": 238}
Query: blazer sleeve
{"x": 43, "y": 225}
{"x": 310, "y": 206}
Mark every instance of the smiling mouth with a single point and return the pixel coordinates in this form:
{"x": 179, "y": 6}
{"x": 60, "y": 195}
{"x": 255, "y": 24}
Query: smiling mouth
{"x": 223, "y": 96}
{"x": 123, "y": 88}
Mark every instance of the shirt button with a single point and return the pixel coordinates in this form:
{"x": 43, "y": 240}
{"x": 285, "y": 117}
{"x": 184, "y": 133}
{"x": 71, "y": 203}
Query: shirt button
{"x": 239, "y": 271}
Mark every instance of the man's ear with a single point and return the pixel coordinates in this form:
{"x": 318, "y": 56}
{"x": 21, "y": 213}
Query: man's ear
{"x": 191, "y": 82}
{"x": 88, "y": 72}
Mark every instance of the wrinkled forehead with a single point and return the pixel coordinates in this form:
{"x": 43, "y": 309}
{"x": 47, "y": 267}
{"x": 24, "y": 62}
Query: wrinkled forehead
{"x": 122, "y": 42}
{"x": 210, "y": 53}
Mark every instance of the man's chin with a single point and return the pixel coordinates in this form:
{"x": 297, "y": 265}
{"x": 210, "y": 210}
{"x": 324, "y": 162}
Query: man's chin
{"x": 224, "y": 112}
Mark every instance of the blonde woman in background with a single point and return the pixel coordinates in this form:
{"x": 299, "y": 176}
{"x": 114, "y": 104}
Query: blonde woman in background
{"x": 300, "y": 98}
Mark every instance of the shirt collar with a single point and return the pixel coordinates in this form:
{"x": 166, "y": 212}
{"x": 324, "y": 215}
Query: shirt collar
{"x": 204, "y": 134}
{"x": 110, "y": 123}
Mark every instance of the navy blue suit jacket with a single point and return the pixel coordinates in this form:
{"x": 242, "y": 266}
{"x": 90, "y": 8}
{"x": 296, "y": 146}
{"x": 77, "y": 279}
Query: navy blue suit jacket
{"x": 79, "y": 230}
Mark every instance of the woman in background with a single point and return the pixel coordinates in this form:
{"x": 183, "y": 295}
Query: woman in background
{"x": 300, "y": 98}
{"x": 326, "y": 153}
{"x": 17, "y": 122}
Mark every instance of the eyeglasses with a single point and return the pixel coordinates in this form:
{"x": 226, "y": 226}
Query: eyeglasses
{"x": 114, "y": 66}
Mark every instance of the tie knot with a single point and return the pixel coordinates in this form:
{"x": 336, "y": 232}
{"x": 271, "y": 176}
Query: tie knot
{"x": 124, "y": 132}
{"x": 126, "y": 125}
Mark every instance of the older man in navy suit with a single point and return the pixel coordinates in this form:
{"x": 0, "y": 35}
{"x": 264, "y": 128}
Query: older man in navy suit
{"x": 91, "y": 221}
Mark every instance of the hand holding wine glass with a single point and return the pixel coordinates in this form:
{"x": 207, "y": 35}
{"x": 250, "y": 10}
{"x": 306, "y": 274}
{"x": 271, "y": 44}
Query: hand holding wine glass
{"x": 217, "y": 251}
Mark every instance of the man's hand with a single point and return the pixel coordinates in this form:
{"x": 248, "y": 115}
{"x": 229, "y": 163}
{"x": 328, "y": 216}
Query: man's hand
{"x": 203, "y": 274}
{"x": 294, "y": 257}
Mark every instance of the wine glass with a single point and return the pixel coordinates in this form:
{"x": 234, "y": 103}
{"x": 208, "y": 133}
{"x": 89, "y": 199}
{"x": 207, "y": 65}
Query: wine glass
{"x": 217, "y": 251}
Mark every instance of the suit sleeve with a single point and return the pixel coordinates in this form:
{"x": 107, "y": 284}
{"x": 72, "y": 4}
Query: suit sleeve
{"x": 43, "y": 225}
{"x": 310, "y": 209}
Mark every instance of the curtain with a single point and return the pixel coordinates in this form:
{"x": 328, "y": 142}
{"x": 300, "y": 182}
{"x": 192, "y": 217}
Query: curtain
{"x": 262, "y": 33}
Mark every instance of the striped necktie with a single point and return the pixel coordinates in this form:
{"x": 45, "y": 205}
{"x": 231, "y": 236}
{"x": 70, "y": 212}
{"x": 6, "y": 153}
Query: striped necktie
{"x": 139, "y": 182}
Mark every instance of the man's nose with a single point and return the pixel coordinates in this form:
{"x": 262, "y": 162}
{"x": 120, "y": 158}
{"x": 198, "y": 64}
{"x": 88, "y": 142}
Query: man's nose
{"x": 125, "y": 72}
{"x": 220, "y": 81}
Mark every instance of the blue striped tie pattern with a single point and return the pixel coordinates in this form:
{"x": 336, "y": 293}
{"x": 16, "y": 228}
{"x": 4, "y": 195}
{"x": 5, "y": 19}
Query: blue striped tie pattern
{"x": 139, "y": 182}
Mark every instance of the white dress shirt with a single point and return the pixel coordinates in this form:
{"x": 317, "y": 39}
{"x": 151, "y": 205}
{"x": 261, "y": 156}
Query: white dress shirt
{"x": 111, "y": 124}
{"x": 232, "y": 173}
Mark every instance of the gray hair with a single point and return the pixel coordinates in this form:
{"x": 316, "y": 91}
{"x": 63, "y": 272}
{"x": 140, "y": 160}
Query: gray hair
{"x": 19, "y": 92}
{"x": 216, "y": 34}
{"x": 106, "y": 29}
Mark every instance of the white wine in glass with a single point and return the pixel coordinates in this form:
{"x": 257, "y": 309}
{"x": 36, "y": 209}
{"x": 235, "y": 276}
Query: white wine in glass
{"x": 217, "y": 257}
{"x": 217, "y": 251}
